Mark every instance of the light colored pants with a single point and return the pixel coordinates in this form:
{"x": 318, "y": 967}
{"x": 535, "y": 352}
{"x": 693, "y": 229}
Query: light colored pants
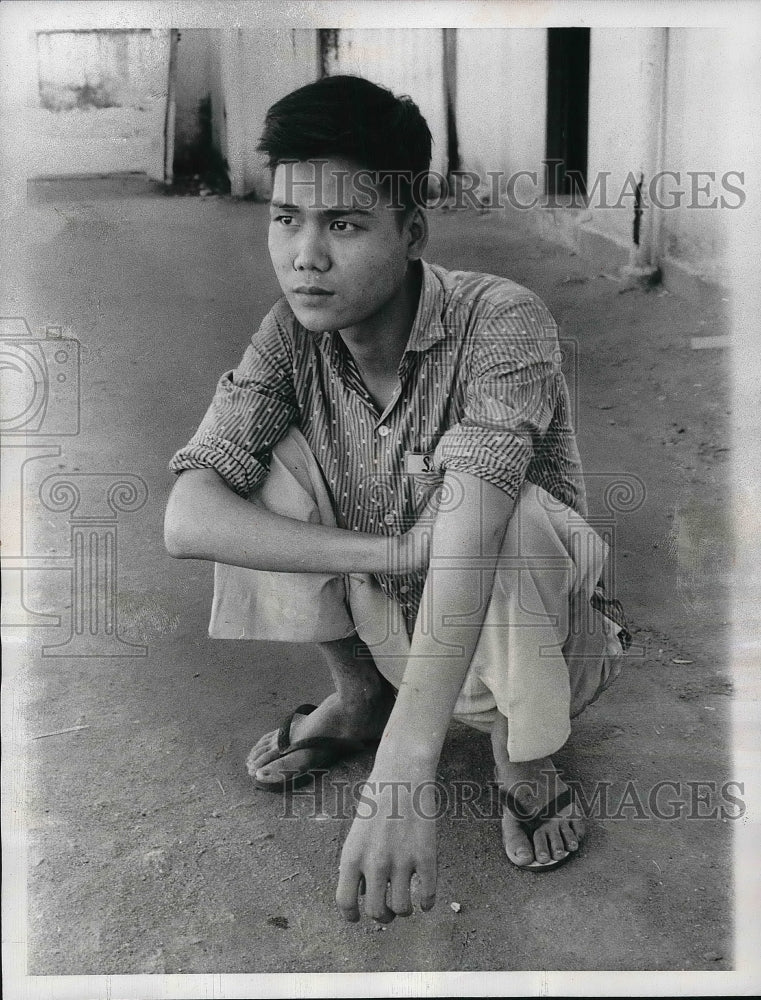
{"x": 543, "y": 652}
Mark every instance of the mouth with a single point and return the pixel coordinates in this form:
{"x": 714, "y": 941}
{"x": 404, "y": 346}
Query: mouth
{"x": 308, "y": 291}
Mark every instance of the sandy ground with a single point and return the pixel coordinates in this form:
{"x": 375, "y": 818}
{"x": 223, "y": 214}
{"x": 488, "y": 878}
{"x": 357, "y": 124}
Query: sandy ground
{"x": 149, "y": 850}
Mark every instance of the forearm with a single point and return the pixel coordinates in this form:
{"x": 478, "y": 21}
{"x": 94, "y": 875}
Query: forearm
{"x": 465, "y": 549}
{"x": 205, "y": 519}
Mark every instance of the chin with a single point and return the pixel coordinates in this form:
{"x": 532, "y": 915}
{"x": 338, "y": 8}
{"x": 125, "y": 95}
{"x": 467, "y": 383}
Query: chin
{"x": 319, "y": 319}
{"x": 314, "y": 321}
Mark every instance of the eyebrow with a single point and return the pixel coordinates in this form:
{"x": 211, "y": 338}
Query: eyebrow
{"x": 330, "y": 213}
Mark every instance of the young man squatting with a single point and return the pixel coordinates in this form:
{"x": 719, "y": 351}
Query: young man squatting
{"x": 391, "y": 473}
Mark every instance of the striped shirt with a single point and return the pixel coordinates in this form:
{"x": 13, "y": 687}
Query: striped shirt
{"x": 481, "y": 391}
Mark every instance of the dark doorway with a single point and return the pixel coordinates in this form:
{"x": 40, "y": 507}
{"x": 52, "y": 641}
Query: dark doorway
{"x": 567, "y": 110}
{"x": 198, "y": 166}
{"x": 449, "y": 47}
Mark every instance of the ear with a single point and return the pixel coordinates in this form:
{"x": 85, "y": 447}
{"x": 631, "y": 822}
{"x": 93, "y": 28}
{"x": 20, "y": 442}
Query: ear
{"x": 417, "y": 234}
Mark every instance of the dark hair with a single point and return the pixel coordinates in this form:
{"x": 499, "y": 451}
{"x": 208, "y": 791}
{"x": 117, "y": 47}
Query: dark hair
{"x": 348, "y": 117}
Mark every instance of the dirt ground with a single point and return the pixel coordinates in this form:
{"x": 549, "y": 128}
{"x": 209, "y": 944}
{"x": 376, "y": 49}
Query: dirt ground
{"x": 149, "y": 850}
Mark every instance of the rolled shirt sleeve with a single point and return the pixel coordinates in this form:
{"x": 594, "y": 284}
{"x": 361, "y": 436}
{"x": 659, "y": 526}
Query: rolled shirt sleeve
{"x": 511, "y": 396}
{"x": 252, "y": 409}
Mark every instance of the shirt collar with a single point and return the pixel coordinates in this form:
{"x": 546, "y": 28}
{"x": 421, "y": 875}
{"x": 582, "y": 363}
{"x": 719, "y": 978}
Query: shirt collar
{"x": 428, "y": 327}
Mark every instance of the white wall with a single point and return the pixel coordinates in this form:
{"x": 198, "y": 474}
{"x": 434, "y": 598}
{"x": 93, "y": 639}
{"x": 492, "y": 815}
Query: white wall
{"x": 697, "y": 107}
{"x": 626, "y": 90}
{"x": 623, "y": 121}
{"x": 502, "y": 100}
{"x": 258, "y": 67}
{"x": 96, "y": 102}
{"x": 407, "y": 61}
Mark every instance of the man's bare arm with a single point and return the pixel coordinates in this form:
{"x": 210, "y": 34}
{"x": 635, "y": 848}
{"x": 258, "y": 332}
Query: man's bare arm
{"x": 205, "y": 519}
{"x": 466, "y": 543}
{"x": 387, "y": 849}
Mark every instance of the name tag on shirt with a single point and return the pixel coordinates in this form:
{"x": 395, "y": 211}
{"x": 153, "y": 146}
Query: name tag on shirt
{"x": 418, "y": 465}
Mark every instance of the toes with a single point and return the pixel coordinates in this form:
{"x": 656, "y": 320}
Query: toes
{"x": 541, "y": 846}
{"x": 556, "y": 843}
{"x": 294, "y": 763}
{"x": 570, "y": 839}
{"x": 267, "y": 741}
{"x": 266, "y": 747}
{"x": 579, "y": 827}
{"x": 255, "y": 760}
{"x": 517, "y": 845}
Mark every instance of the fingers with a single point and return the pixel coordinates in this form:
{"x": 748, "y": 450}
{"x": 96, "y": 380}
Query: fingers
{"x": 427, "y": 876}
{"x": 375, "y": 898}
{"x": 400, "y": 898}
{"x": 350, "y": 884}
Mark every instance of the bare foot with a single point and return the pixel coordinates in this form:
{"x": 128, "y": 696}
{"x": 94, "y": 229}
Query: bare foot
{"x": 533, "y": 786}
{"x": 363, "y": 718}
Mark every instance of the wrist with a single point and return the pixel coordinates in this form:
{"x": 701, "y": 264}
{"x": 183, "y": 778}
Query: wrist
{"x": 405, "y": 763}
{"x": 390, "y": 554}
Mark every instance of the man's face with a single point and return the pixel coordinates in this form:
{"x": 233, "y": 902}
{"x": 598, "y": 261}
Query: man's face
{"x": 339, "y": 251}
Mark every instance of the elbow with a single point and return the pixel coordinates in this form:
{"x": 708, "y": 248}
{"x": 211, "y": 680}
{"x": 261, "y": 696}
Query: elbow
{"x": 195, "y": 506}
{"x": 175, "y": 544}
{"x": 178, "y": 535}
{"x": 176, "y": 540}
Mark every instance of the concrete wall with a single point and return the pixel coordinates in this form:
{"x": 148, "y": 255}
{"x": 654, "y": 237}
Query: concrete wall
{"x": 407, "y": 61}
{"x": 257, "y": 68}
{"x": 502, "y": 99}
{"x": 622, "y": 115}
{"x": 658, "y": 100}
{"x": 96, "y": 102}
{"x": 697, "y": 106}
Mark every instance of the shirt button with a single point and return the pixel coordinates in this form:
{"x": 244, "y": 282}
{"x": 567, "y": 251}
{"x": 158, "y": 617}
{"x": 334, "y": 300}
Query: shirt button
{"x": 404, "y": 590}
{"x": 384, "y": 431}
{"x": 388, "y": 518}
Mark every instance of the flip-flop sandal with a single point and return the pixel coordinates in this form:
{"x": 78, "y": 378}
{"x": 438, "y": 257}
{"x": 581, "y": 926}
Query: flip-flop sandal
{"x": 531, "y": 823}
{"x": 333, "y": 748}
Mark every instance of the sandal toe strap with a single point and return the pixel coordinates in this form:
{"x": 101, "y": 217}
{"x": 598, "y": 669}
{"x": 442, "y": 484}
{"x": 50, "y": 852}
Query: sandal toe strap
{"x": 284, "y": 732}
{"x": 541, "y": 815}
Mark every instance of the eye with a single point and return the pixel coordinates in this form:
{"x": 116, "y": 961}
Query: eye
{"x": 342, "y": 226}
{"x": 284, "y": 220}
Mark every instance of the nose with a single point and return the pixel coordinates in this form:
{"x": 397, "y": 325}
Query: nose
{"x": 311, "y": 253}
